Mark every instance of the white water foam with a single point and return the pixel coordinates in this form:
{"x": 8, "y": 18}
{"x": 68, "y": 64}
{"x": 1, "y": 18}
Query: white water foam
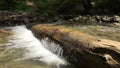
{"x": 53, "y": 47}
{"x": 23, "y": 38}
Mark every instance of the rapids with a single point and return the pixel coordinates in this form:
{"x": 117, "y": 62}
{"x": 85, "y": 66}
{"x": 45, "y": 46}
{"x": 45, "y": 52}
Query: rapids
{"x": 25, "y": 51}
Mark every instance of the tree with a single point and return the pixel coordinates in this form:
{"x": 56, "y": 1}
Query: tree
{"x": 7, "y": 4}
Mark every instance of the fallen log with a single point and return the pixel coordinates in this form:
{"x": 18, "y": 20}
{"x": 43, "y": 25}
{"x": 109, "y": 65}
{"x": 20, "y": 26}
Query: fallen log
{"x": 80, "y": 49}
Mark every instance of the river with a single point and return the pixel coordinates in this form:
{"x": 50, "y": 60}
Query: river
{"x": 23, "y": 50}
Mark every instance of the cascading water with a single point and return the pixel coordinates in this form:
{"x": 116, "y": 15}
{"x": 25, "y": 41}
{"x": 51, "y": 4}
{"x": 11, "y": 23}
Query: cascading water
{"x": 54, "y": 48}
{"x": 30, "y": 48}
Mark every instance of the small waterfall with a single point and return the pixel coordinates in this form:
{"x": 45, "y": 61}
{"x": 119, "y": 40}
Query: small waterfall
{"x": 53, "y": 47}
{"x": 35, "y": 49}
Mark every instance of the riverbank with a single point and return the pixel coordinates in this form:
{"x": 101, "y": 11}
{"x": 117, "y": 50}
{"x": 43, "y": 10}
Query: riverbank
{"x": 9, "y": 18}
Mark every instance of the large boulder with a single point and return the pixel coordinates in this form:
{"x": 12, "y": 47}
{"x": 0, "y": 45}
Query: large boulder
{"x": 80, "y": 49}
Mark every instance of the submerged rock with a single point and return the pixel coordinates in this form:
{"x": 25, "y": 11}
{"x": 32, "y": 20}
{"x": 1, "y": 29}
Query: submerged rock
{"x": 4, "y": 36}
{"x": 6, "y": 32}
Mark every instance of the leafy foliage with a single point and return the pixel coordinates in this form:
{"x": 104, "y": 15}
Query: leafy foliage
{"x": 64, "y": 6}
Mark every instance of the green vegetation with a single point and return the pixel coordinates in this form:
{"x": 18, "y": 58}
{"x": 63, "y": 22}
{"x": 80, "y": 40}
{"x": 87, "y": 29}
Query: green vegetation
{"x": 64, "y": 6}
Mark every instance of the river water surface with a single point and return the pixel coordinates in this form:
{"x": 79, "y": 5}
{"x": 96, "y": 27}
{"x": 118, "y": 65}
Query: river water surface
{"x": 23, "y": 50}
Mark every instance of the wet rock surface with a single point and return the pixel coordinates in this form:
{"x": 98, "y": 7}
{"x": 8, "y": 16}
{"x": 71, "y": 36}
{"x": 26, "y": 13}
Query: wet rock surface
{"x": 80, "y": 49}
